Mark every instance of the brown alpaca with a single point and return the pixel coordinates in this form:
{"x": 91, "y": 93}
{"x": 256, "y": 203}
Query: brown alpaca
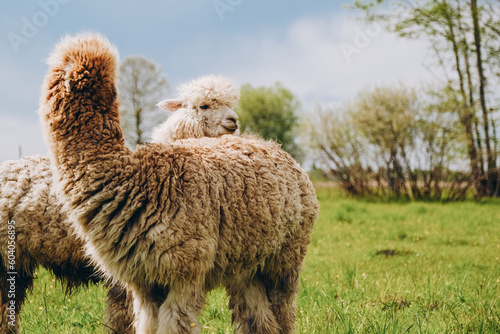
{"x": 174, "y": 221}
{"x": 44, "y": 234}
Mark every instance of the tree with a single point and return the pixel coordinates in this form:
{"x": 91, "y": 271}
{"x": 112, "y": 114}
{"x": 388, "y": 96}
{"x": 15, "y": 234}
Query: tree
{"x": 271, "y": 112}
{"x": 392, "y": 141}
{"x": 337, "y": 148}
{"x": 387, "y": 118}
{"x": 458, "y": 31}
{"x": 141, "y": 86}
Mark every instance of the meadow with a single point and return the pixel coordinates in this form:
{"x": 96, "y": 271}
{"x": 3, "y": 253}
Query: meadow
{"x": 372, "y": 267}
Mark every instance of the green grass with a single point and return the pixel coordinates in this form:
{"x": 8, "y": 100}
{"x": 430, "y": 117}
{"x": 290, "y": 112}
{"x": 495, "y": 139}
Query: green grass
{"x": 48, "y": 310}
{"x": 371, "y": 268}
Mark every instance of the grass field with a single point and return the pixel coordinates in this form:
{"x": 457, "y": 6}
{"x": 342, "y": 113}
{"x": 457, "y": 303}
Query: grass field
{"x": 372, "y": 267}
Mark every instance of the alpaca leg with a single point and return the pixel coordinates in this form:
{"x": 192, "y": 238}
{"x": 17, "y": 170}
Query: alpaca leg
{"x": 119, "y": 316}
{"x": 281, "y": 291}
{"x": 146, "y": 316}
{"x": 146, "y": 304}
{"x": 181, "y": 309}
{"x": 251, "y": 310}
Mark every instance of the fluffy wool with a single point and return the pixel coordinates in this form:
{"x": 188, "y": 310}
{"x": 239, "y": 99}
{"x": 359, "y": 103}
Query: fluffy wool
{"x": 204, "y": 108}
{"x": 173, "y": 221}
{"x": 43, "y": 237}
{"x": 214, "y": 90}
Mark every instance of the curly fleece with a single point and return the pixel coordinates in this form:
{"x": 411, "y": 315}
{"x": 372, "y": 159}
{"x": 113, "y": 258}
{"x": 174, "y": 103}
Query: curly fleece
{"x": 210, "y": 89}
{"x": 179, "y": 218}
{"x": 44, "y": 237}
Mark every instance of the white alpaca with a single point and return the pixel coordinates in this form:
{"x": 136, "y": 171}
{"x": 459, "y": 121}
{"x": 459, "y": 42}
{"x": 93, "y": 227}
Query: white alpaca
{"x": 45, "y": 236}
{"x": 204, "y": 108}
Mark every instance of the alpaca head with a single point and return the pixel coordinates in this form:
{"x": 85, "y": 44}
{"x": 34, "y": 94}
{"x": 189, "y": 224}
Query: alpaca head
{"x": 204, "y": 108}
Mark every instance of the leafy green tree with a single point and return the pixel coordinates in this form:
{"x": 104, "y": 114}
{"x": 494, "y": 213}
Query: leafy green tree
{"x": 141, "y": 86}
{"x": 271, "y": 112}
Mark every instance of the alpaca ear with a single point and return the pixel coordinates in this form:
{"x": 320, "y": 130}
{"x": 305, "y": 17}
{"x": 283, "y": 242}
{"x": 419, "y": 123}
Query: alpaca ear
{"x": 170, "y": 105}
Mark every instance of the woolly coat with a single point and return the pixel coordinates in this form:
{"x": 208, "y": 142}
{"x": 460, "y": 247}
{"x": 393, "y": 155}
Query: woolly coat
{"x": 43, "y": 233}
{"x": 31, "y": 234}
{"x": 44, "y": 236}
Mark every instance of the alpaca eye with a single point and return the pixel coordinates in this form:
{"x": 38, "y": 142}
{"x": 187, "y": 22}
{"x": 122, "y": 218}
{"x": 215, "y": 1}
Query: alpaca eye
{"x": 205, "y": 106}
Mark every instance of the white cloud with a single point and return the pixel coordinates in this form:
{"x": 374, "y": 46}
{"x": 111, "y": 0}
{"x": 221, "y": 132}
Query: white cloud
{"x": 309, "y": 59}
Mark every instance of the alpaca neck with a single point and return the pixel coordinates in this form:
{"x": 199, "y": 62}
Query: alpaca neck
{"x": 81, "y": 122}
{"x": 83, "y": 132}
{"x": 79, "y": 111}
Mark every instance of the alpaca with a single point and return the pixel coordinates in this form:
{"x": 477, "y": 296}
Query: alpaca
{"x": 174, "y": 221}
{"x": 44, "y": 234}
{"x": 204, "y": 108}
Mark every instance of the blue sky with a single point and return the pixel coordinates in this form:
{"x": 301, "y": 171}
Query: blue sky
{"x": 314, "y": 48}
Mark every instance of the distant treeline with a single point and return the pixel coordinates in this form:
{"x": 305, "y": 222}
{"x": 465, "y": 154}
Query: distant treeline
{"x": 437, "y": 143}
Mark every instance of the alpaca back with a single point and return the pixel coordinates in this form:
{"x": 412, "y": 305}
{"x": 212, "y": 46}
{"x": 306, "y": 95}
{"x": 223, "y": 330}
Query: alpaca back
{"x": 265, "y": 200}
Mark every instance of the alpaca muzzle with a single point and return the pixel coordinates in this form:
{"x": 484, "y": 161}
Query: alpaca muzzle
{"x": 230, "y": 125}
